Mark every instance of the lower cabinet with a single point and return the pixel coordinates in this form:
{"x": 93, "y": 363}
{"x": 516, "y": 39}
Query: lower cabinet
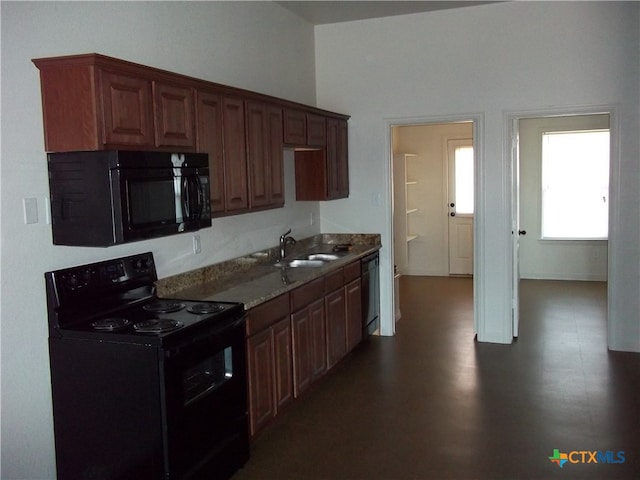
{"x": 269, "y": 362}
{"x": 295, "y": 338}
{"x": 335, "y": 306}
{"x": 308, "y": 335}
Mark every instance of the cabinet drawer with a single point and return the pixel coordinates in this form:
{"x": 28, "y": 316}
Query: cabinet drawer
{"x": 303, "y": 296}
{"x": 351, "y": 271}
{"x": 333, "y": 280}
{"x": 267, "y": 314}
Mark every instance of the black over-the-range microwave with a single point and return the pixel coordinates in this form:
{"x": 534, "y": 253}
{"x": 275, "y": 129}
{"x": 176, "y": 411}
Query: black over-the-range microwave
{"x": 106, "y": 198}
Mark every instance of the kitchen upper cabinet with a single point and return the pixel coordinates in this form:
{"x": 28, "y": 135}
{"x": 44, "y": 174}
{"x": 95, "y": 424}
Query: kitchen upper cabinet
{"x": 265, "y": 155}
{"x": 221, "y": 134}
{"x": 127, "y": 111}
{"x": 269, "y": 360}
{"x": 294, "y": 127}
{"x": 324, "y": 174}
{"x": 174, "y": 115}
{"x": 210, "y": 141}
{"x": 93, "y": 102}
{"x": 235, "y": 155}
{"x": 316, "y": 130}
{"x": 303, "y": 129}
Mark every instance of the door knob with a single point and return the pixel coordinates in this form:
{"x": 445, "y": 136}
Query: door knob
{"x": 522, "y": 232}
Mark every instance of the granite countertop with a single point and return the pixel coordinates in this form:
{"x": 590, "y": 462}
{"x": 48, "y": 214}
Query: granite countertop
{"x": 255, "y": 278}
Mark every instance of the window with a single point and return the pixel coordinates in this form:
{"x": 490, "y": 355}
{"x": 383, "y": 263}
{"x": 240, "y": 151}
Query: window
{"x": 463, "y": 158}
{"x": 575, "y": 185}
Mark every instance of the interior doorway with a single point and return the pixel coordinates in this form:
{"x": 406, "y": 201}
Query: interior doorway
{"x": 555, "y": 229}
{"x": 434, "y": 193}
{"x": 433, "y": 208}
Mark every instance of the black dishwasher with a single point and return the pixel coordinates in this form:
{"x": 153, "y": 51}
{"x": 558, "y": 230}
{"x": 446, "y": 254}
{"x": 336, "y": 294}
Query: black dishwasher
{"x": 370, "y": 294}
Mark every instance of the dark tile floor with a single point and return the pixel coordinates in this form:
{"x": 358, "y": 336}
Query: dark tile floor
{"x": 430, "y": 403}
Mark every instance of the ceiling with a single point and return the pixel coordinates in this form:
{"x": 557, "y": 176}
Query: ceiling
{"x": 323, "y": 12}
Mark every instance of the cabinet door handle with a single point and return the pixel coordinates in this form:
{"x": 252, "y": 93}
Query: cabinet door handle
{"x": 453, "y": 214}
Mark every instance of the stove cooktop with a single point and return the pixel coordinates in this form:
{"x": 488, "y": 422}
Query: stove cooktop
{"x": 114, "y": 300}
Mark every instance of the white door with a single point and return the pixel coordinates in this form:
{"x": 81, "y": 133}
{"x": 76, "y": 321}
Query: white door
{"x": 460, "y": 206}
{"x": 515, "y": 227}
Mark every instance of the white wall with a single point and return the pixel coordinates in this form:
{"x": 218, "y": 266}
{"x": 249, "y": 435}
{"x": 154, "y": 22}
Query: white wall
{"x": 491, "y": 60}
{"x": 254, "y": 45}
{"x": 429, "y": 253}
{"x": 552, "y": 259}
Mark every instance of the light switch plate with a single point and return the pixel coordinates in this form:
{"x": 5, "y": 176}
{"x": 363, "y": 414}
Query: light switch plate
{"x": 30, "y": 209}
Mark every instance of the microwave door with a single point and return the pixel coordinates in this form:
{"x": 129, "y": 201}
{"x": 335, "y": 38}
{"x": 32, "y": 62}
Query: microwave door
{"x": 179, "y": 199}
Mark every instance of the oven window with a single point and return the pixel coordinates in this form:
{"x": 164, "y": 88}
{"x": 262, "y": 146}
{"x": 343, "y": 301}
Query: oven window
{"x": 207, "y": 376}
{"x": 153, "y": 201}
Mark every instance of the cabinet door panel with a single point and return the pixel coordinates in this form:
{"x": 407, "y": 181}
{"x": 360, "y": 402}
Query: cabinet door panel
{"x": 295, "y": 127}
{"x": 260, "y": 371}
{"x": 276, "y": 155}
{"x": 316, "y": 130}
{"x": 342, "y": 155}
{"x": 174, "y": 116}
{"x": 283, "y": 373}
{"x": 209, "y": 141}
{"x": 127, "y": 110}
{"x": 318, "y": 339}
{"x": 235, "y": 155}
{"x": 257, "y": 152}
{"x": 336, "y": 326}
{"x": 353, "y": 293}
{"x": 301, "y": 335}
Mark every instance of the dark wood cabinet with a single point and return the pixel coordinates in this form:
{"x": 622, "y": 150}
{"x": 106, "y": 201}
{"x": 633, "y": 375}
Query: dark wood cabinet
{"x": 235, "y": 155}
{"x": 308, "y": 334}
{"x": 294, "y": 339}
{"x": 316, "y": 130}
{"x": 309, "y": 345}
{"x": 294, "y": 127}
{"x": 304, "y": 129}
{"x": 337, "y": 159}
{"x": 269, "y": 361}
{"x": 353, "y": 300}
{"x": 127, "y": 111}
{"x": 324, "y": 174}
{"x": 94, "y": 102}
{"x": 260, "y": 363}
{"x": 343, "y": 307}
{"x": 209, "y": 141}
{"x": 174, "y": 116}
{"x": 335, "y": 306}
{"x": 221, "y": 134}
{"x": 265, "y": 155}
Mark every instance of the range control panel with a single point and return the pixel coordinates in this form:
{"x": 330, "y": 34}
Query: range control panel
{"x": 102, "y": 278}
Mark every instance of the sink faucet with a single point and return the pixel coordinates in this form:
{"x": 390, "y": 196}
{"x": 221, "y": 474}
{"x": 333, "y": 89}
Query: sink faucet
{"x": 284, "y": 241}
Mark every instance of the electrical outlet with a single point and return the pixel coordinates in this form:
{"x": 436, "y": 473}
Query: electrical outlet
{"x": 197, "y": 246}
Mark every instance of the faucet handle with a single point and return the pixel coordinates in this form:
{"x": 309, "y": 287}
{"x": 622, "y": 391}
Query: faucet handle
{"x": 285, "y": 233}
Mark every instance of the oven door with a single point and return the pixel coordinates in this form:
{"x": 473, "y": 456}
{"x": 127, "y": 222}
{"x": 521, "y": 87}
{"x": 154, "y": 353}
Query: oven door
{"x": 152, "y": 202}
{"x": 206, "y": 405}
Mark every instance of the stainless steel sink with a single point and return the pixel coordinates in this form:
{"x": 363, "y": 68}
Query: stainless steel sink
{"x": 325, "y": 257}
{"x": 310, "y": 260}
{"x": 301, "y": 262}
